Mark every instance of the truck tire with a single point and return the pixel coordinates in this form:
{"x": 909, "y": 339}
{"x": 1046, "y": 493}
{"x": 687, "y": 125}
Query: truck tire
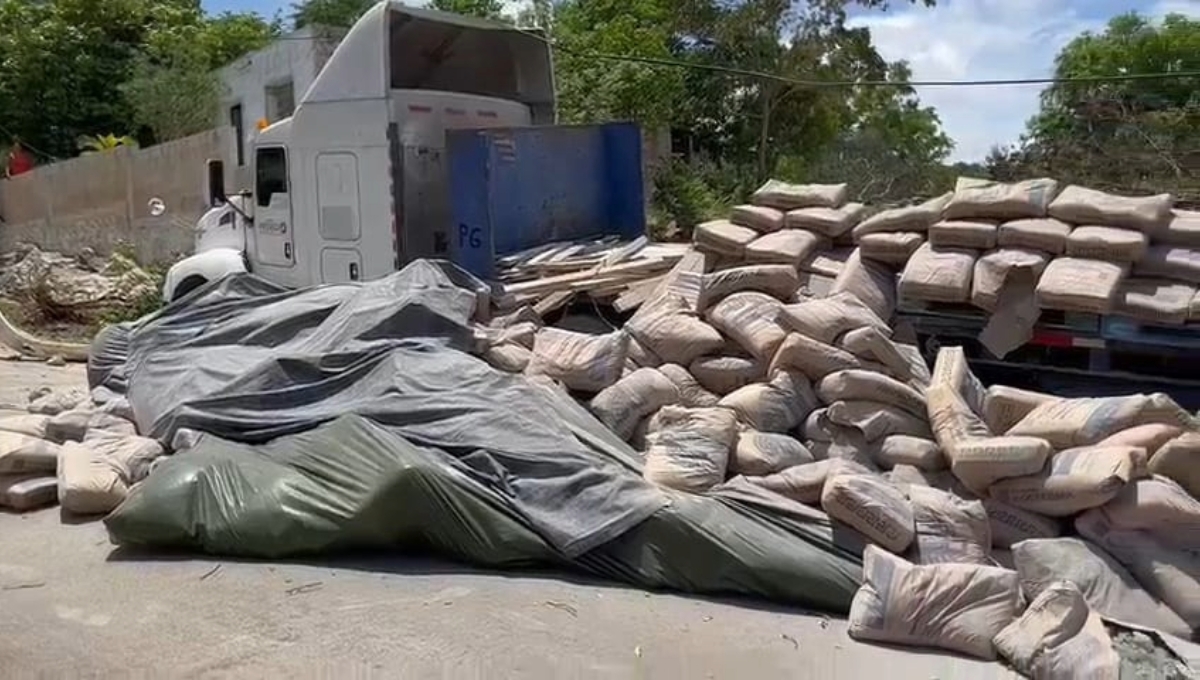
{"x": 188, "y": 285}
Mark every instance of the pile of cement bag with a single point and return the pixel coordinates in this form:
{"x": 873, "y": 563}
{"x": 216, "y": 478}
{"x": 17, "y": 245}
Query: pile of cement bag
{"x": 68, "y": 450}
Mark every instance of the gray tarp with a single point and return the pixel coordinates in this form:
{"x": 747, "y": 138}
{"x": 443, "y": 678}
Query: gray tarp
{"x": 355, "y": 416}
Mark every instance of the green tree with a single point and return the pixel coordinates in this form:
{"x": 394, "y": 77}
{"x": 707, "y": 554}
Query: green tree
{"x": 335, "y": 13}
{"x": 488, "y": 9}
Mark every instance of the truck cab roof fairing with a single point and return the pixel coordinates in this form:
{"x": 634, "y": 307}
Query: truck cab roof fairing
{"x": 398, "y": 47}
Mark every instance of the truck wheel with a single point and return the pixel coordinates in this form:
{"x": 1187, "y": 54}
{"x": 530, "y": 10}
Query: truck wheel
{"x": 188, "y": 285}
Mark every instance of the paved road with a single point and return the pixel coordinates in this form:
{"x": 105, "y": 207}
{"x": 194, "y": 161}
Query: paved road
{"x": 71, "y": 605}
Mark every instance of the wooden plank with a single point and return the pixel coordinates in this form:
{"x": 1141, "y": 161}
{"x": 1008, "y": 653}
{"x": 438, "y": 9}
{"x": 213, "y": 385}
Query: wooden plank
{"x": 636, "y": 294}
{"x": 625, "y": 252}
{"x": 553, "y": 283}
{"x": 552, "y": 302}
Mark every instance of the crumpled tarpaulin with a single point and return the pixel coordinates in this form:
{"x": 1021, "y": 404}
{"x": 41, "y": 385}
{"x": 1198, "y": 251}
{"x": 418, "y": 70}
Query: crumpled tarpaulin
{"x": 355, "y": 416}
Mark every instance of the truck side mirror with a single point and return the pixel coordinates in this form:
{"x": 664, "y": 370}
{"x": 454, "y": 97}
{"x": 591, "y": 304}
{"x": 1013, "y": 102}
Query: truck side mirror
{"x": 216, "y": 182}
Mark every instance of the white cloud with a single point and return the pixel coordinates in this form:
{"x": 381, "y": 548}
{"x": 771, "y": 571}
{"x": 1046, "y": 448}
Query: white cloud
{"x": 987, "y": 40}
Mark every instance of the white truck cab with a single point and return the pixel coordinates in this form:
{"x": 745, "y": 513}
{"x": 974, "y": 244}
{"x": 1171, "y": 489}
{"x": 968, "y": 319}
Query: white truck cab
{"x": 354, "y": 185}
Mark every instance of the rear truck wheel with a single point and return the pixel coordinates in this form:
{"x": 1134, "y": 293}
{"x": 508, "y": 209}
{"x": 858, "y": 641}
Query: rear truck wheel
{"x": 188, "y": 285}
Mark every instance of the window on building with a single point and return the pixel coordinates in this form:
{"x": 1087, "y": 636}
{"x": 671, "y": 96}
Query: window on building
{"x": 281, "y": 101}
{"x": 270, "y": 173}
{"x": 239, "y": 131}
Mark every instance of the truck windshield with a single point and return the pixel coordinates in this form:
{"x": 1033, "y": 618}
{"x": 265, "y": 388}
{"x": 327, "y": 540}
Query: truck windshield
{"x": 270, "y": 174}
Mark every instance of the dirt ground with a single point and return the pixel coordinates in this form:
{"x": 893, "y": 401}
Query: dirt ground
{"x": 72, "y": 605}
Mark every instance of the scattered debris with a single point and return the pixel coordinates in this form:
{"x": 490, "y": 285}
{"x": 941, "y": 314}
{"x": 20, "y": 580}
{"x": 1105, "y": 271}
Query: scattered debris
{"x": 563, "y": 606}
{"x": 306, "y": 588}
{"x": 210, "y": 572}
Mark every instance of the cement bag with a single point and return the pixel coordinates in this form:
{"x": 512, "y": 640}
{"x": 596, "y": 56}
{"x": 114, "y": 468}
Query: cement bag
{"x": 776, "y": 406}
{"x": 804, "y": 483}
{"x": 130, "y": 455}
{"x": 758, "y": 454}
{"x": 24, "y": 454}
{"x": 918, "y": 452}
{"x": 622, "y": 405}
{"x": 1183, "y": 230}
{"x": 87, "y": 484}
{"x": 813, "y": 286}
{"x": 1154, "y": 300}
{"x": 641, "y": 356}
{"x": 952, "y": 421}
{"x": 688, "y": 449}
{"x": 749, "y": 319}
{"x": 817, "y": 427}
{"x": 1048, "y": 235}
{"x": 1169, "y": 574}
{"x": 55, "y": 402}
{"x": 508, "y": 358}
{"x": 777, "y": 280}
{"x": 958, "y": 607}
{"x": 1107, "y": 243}
{"x": 825, "y": 319}
{"x": 1090, "y": 655}
{"x": 1059, "y": 638}
{"x": 1066, "y": 423}
{"x": 1010, "y": 525}
{"x": 1179, "y": 460}
{"x": 905, "y": 476}
{"x": 982, "y": 463}
{"x": 872, "y": 506}
{"x": 722, "y": 375}
{"x": 1074, "y": 481}
{"x": 876, "y": 420}
{"x": 977, "y": 235}
{"x": 723, "y": 237}
{"x": 827, "y": 262}
{"x": 1150, "y": 437}
{"x": 691, "y": 393}
{"x": 789, "y": 246}
{"x": 30, "y": 425}
{"x": 1075, "y": 285}
{"x": 674, "y": 334}
{"x": 903, "y": 362}
{"x": 913, "y": 218}
{"x": 893, "y": 248}
{"x": 938, "y": 275}
{"x": 760, "y": 218}
{"x": 1004, "y": 407}
{"x": 1106, "y": 585}
{"x": 828, "y": 222}
{"x": 993, "y": 269}
{"x": 870, "y": 282}
{"x": 949, "y": 529}
{"x": 69, "y": 425}
{"x": 859, "y": 385}
{"x": 584, "y": 362}
{"x": 1148, "y": 214}
{"x": 785, "y": 196}
{"x": 813, "y": 358}
{"x": 1160, "y": 507}
{"x": 981, "y": 198}
{"x": 1166, "y": 262}
{"x": 951, "y": 368}
{"x": 27, "y": 492}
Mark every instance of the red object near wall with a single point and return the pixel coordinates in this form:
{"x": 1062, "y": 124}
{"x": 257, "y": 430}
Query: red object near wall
{"x": 19, "y": 161}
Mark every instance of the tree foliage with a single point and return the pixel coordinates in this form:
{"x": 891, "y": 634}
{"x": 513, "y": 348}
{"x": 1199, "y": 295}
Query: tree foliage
{"x": 334, "y": 13}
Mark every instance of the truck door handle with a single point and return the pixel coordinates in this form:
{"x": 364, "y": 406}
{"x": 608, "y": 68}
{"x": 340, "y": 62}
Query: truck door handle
{"x": 287, "y": 251}
{"x": 353, "y": 271}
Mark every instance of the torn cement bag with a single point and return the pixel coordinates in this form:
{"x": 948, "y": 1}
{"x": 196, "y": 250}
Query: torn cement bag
{"x": 1089, "y": 655}
{"x": 1154, "y": 300}
{"x": 691, "y": 393}
{"x": 828, "y": 222}
{"x": 776, "y": 406}
{"x": 674, "y": 333}
{"x": 976, "y": 235}
{"x": 913, "y": 218}
{"x": 24, "y": 454}
{"x": 951, "y": 368}
{"x": 876, "y": 420}
{"x": 508, "y": 358}
{"x": 788, "y": 246}
{"x": 749, "y": 319}
{"x": 1150, "y": 437}
{"x": 893, "y": 248}
{"x": 982, "y": 463}
{"x": 860, "y": 385}
{"x": 1160, "y": 507}
{"x": 994, "y": 268}
{"x": 723, "y": 238}
{"x": 813, "y": 358}
{"x": 777, "y": 280}
{"x": 827, "y": 262}
{"x": 1166, "y": 262}
{"x": 87, "y": 484}
{"x": 1179, "y": 460}
{"x": 1080, "y": 205}
{"x": 57, "y": 401}
{"x": 980, "y": 198}
{"x": 872, "y": 506}
{"x": 1183, "y": 230}
{"x": 1067, "y": 423}
{"x": 938, "y": 275}
{"x": 584, "y": 362}
{"x": 1005, "y": 406}
{"x": 1168, "y": 573}
{"x": 723, "y": 375}
{"x": 688, "y": 449}
{"x": 903, "y": 362}
{"x": 1047, "y": 235}
{"x": 622, "y": 405}
{"x": 28, "y": 425}
{"x": 758, "y": 454}
{"x": 1107, "y": 243}
{"x": 949, "y": 529}
{"x": 817, "y": 427}
{"x": 871, "y": 282}
{"x": 1075, "y": 480}
{"x": 1010, "y": 525}
{"x": 130, "y": 455}
{"x": 1074, "y": 285}
{"x": 757, "y": 217}
{"x": 27, "y": 492}
{"x": 804, "y": 483}
{"x": 785, "y": 196}
{"x": 825, "y": 319}
{"x": 958, "y": 607}
{"x": 902, "y": 449}
{"x": 1107, "y": 586}
{"x": 1054, "y": 617}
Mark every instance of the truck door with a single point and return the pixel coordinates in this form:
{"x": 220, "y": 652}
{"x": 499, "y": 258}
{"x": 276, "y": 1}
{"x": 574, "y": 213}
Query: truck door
{"x": 273, "y": 226}
{"x": 338, "y": 216}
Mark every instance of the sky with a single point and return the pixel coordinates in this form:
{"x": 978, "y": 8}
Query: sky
{"x": 959, "y": 40}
